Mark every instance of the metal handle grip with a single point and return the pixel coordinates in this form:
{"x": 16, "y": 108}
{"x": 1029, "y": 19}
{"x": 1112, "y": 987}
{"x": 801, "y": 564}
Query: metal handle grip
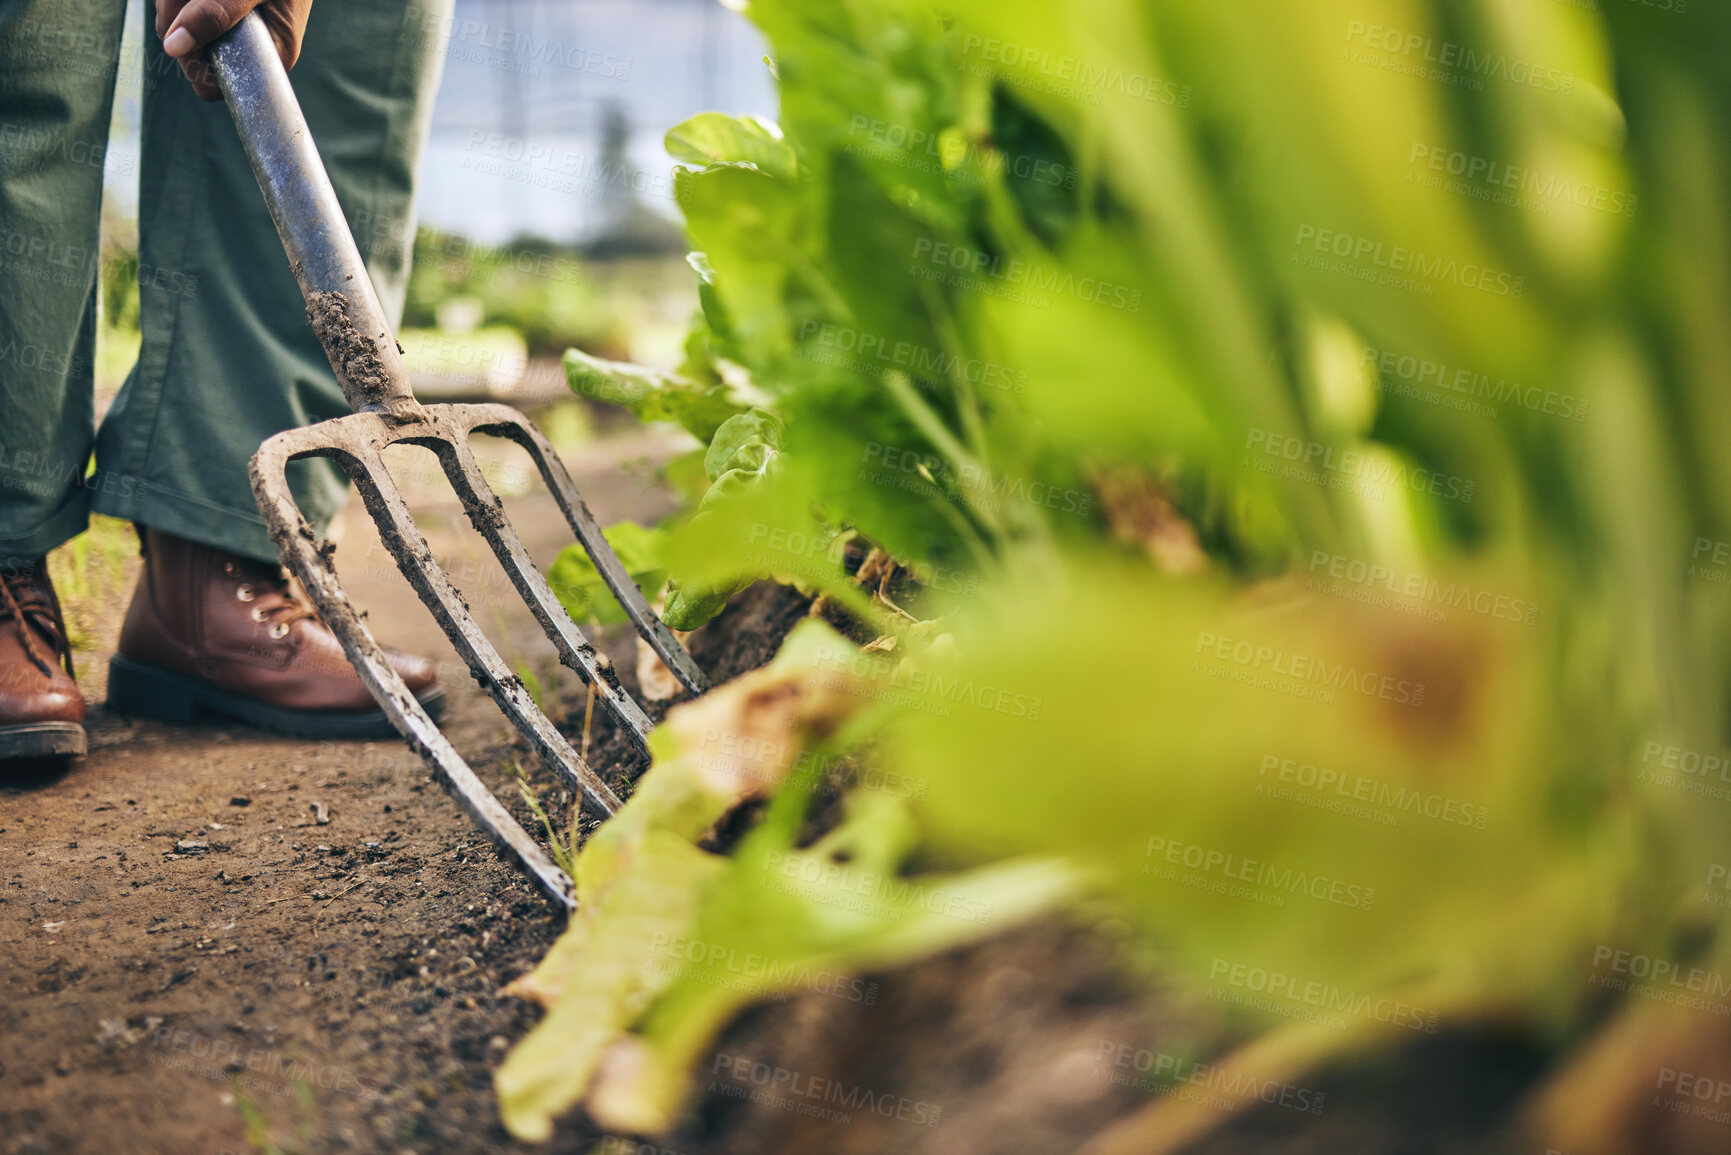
{"x": 341, "y": 305}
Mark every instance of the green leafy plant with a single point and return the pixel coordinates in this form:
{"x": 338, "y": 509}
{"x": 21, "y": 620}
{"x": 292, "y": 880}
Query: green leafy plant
{"x": 647, "y": 971}
{"x": 579, "y": 586}
{"x": 1267, "y": 449}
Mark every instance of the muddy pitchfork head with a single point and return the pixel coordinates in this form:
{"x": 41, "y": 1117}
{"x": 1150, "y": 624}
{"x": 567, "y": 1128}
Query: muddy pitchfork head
{"x": 345, "y": 313}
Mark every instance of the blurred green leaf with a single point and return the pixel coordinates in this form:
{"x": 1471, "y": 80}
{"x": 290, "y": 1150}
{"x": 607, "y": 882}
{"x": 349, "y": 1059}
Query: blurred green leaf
{"x": 651, "y": 395}
{"x": 746, "y": 442}
{"x": 642, "y": 980}
{"x": 580, "y": 588}
{"x": 1282, "y": 443}
{"x": 714, "y": 138}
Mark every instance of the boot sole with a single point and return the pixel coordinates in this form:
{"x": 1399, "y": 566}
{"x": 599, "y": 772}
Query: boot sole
{"x": 43, "y": 740}
{"x": 148, "y": 692}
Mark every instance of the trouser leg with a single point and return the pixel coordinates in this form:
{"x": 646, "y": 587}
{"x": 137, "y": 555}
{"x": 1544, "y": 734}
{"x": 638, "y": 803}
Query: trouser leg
{"x": 227, "y": 357}
{"x": 57, "y": 74}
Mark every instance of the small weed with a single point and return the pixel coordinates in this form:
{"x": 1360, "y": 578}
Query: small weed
{"x": 564, "y": 849}
{"x": 257, "y": 1130}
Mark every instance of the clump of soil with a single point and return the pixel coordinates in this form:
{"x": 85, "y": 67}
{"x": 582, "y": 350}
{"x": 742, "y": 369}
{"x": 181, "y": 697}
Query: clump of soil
{"x": 354, "y": 356}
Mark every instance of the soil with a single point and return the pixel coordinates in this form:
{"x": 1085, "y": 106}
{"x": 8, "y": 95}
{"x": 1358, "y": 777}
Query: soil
{"x": 356, "y": 357}
{"x": 213, "y": 940}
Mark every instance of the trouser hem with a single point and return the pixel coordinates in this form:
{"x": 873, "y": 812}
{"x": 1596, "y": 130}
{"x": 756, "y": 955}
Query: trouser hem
{"x": 220, "y": 527}
{"x": 66, "y": 523}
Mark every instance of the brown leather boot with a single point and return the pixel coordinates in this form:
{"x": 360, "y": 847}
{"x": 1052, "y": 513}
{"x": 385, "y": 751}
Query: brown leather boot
{"x": 210, "y": 632}
{"x": 41, "y": 710}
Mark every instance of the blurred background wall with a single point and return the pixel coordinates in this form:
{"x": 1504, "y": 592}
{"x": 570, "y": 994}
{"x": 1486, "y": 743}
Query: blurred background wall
{"x": 546, "y": 212}
{"x": 541, "y": 100}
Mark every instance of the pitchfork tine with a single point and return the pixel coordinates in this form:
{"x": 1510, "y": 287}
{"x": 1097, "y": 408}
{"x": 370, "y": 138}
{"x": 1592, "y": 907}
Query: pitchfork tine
{"x": 403, "y": 539}
{"x": 300, "y": 550}
{"x": 487, "y": 516}
{"x": 356, "y": 334}
{"x": 513, "y": 426}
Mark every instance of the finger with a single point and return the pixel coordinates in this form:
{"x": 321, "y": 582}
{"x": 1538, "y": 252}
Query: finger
{"x": 286, "y": 27}
{"x": 200, "y": 22}
{"x": 203, "y": 80}
{"x": 166, "y": 11}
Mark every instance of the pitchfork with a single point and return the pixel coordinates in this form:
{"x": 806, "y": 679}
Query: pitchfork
{"x": 351, "y": 324}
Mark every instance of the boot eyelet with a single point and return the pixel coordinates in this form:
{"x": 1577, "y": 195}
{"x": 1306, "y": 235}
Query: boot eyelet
{"x": 244, "y": 593}
{"x": 279, "y": 631}
{"x": 228, "y": 568}
{"x": 258, "y": 613}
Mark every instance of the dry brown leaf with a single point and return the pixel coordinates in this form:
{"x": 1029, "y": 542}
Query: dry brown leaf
{"x": 654, "y": 679}
{"x": 1140, "y": 514}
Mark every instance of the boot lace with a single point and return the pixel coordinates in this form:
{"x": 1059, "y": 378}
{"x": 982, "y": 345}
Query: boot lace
{"x": 29, "y": 610}
{"x": 288, "y": 606}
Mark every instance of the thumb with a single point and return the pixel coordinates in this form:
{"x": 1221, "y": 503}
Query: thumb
{"x": 201, "y": 21}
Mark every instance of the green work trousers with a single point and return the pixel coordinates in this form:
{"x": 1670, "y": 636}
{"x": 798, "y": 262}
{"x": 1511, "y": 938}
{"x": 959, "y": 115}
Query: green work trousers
{"x": 227, "y": 357}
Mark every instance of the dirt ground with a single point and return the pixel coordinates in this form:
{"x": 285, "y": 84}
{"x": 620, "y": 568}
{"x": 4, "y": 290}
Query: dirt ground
{"x": 297, "y": 984}
{"x": 213, "y": 940}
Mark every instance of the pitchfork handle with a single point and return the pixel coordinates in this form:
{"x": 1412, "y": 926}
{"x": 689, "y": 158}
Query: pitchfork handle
{"x": 321, "y": 250}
